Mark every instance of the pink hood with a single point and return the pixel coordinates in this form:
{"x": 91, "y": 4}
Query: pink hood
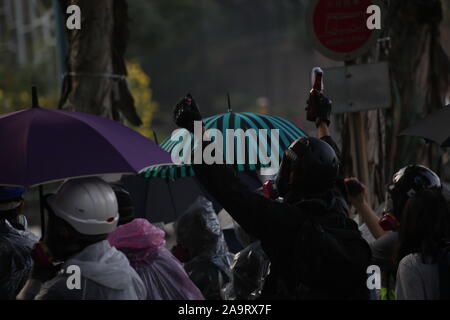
{"x": 137, "y": 239}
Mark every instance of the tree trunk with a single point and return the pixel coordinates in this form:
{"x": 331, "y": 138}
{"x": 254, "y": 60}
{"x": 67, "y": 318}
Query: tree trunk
{"x": 95, "y": 81}
{"x": 419, "y": 72}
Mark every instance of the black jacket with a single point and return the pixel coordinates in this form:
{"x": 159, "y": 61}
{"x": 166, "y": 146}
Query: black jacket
{"x": 316, "y": 251}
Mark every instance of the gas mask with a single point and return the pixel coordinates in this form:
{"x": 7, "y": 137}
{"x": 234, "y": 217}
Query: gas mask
{"x": 59, "y": 238}
{"x": 269, "y": 190}
{"x": 405, "y": 183}
{"x": 388, "y": 221}
{"x": 282, "y": 180}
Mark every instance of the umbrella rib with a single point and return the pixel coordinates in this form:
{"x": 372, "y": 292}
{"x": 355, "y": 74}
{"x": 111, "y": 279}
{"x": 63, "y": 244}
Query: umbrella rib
{"x": 248, "y": 118}
{"x": 283, "y": 124}
{"x": 267, "y": 124}
{"x": 289, "y": 124}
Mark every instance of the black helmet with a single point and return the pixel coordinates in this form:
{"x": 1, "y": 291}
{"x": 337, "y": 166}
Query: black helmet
{"x": 125, "y": 203}
{"x": 405, "y": 184}
{"x": 314, "y": 164}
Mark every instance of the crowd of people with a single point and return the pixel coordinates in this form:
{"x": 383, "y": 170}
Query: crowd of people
{"x": 300, "y": 243}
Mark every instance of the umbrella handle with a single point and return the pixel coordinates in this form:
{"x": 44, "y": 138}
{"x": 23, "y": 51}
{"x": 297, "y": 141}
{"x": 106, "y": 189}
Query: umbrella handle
{"x": 171, "y": 198}
{"x": 34, "y": 97}
{"x": 42, "y": 210}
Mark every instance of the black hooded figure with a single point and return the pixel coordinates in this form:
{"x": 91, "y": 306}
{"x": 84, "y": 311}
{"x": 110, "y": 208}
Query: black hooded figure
{"x": 316, "y": 250}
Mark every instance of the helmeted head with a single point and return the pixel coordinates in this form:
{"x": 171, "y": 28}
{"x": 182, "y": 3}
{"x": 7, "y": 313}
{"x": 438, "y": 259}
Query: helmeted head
{"x": 11, "y": 206}
{"x": 198, "y": 230}
{"x": 309, "y": 166}
{"x": 82, "y": 212}
{"x": 405, "y": 184}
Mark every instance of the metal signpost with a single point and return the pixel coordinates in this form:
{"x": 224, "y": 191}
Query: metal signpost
{"x": 339, "y": 31}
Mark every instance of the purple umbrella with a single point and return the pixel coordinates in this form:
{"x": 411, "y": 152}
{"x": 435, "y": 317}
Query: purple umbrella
{"x": 40, "y": 145}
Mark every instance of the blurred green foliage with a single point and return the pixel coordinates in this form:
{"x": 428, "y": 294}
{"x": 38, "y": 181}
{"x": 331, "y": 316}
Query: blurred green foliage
{"x": 139, "y": 83}
{"x": 16, "y": 83}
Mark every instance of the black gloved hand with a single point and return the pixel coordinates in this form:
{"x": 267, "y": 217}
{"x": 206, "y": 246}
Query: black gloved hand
{"x": 319, "y": 109}
{"x": 354, "y": 187}
{"x": 186, "y": 112}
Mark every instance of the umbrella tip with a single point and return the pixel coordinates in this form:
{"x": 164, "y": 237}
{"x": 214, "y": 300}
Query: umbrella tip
{"x": 229, "y": 102}
{"x": 34, "y": 97}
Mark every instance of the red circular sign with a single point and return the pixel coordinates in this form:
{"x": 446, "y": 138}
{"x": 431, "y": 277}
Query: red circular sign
{"x": 339, "y": 27}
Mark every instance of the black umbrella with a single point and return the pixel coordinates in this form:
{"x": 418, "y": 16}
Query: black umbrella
{"x": 435, "y": 127}
{"x": 164, "y": 200}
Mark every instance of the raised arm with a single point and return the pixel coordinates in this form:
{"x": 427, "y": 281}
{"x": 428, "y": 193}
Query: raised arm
{"x": 369, "y": 217}
{"x": 255, "y": 213}
{"x": 323, "y": 130}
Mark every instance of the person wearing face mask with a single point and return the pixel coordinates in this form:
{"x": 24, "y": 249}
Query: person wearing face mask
{"x": 316, "y": 250}
{"x": 144, "y": 245}
{"x": 207, "y": 258}
{"x": 15, "y": 243}
{"x": 249, "y": 269}
{"x": 405, "y": 183}
{"x": 81, "y": 215}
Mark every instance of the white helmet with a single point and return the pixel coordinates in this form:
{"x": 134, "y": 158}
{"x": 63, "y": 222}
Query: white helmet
{"x": 88, "y": 204}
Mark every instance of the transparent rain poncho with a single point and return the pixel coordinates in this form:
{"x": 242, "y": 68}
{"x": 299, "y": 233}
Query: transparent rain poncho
{"x": 249, "y": 269}
{"x": 15, "y": 260}
{"x": 106, "y": 274}
{"x": 162, "y": 274}
{"x": 198, "y": 232}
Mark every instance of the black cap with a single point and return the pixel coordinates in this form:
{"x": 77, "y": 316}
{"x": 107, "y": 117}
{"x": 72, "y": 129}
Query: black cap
{"x": 125, "y": 203}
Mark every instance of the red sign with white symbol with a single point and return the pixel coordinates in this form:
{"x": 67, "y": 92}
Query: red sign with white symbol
{"x": 339, "y": 27}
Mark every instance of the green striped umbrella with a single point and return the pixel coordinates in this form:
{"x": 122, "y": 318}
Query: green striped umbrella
{"x": 288, "y": 132}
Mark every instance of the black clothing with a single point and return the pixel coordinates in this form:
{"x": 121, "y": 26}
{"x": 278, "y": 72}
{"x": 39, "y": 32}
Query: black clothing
{"x": 316, "y": 251}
